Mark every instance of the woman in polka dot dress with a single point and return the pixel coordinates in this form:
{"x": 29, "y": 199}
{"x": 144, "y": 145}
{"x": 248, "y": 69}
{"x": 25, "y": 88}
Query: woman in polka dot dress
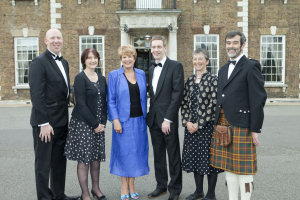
{"x": 85, "y": 142}
{"x": 198, "y": 108}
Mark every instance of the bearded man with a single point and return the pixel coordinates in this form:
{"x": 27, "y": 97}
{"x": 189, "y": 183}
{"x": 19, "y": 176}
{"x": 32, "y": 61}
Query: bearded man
{"x": 240, "y": 101}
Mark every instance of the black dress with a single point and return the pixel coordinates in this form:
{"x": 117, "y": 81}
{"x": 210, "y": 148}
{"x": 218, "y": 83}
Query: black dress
{"x": 198, "y": 107}
{"x": 83, "y": 144}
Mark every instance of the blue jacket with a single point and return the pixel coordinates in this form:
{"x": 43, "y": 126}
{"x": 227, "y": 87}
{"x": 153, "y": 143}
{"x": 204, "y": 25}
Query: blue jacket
{"x": 118, "y": 97}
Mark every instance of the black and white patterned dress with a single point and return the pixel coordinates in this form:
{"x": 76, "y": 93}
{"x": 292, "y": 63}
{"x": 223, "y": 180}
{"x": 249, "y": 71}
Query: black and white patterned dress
{"x": 83, "y": 144}
{"x": 198, "y": 106}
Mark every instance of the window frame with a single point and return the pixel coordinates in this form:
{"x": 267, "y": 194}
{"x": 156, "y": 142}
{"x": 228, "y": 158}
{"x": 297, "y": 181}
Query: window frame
{"x": 102, "y": 57}
{"x": 17, "y": 84}
{"x": 218, "y": 49}
{"x": 273, "y": 83}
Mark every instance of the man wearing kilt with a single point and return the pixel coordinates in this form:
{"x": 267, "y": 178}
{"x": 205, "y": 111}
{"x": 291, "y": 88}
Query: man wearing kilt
{"x": 240, "y": 101}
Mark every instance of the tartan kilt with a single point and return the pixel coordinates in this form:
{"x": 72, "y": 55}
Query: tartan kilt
{"x": 240, "y": 156}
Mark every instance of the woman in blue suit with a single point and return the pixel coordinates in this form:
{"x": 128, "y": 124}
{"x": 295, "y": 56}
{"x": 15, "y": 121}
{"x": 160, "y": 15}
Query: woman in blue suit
{"x": 127, "y": 107}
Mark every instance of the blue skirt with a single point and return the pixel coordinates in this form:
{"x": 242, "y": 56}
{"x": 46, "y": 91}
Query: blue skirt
{"x": 129, "y": 150}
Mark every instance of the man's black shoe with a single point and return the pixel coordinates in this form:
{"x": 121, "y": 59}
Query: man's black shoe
{"x": 69, "y": 198}
{"x": 206, "y": 198}
{"x": 173, "y": 197}
{"x": 72, "y": 197}
{"x": 157, "y": 192}
{"x": 195, "y": 196}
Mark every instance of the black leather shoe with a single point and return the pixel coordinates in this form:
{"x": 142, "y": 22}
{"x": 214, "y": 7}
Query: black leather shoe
{"x": 72, "y": 197}
{"x": 98, "y": 198}
{"x": 214, "y": 198}
{"x": 173, "y": 197}
{"x": 195, "y": 196}
{"x": 69, "y": 198}
{"x": 157, "y": 192}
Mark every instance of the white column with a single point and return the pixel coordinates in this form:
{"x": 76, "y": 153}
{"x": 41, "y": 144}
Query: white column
{"x": 125, "y": 38}
{"x": 244, "y": 23}
{"x": 172, "y": 44}
{"x": 0, "y": 89}
{"x": 54, "y": 15}
{"x": 299, "y": 79}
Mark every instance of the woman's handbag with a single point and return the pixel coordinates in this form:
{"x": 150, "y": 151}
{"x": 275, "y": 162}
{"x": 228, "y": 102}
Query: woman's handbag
{"x": 223, "y": 135}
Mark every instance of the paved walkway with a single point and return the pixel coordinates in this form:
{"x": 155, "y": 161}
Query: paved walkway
{"x": 278, "y": 159}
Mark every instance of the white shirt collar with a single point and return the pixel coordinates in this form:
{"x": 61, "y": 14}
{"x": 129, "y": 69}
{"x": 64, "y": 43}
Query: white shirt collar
{"x": 238, "y": 58}
{"x": 54, "y": 53}
{"x": 163, "y": 61}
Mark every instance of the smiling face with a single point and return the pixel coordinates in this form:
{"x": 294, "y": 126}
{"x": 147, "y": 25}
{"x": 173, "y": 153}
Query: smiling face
{"x": 127, "y": 61}
{"x": 199, "y": 62}
{"x": 234, "y": 47}
{"x": 54, "y": 41}
{"x": 91, "y": 61}
{"x": 158, "y": 50}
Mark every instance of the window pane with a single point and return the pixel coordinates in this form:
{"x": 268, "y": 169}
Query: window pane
{"x": 27, "y": 50}
{"x": 95, "y": 42}
{"x": 210, "y": 43}
{"x": 272, "y": 58}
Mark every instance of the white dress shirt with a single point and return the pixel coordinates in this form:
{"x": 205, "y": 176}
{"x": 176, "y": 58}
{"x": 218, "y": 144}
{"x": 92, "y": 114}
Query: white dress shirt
{"x": 156, "y": 74}
{"x": 232, "y": 66}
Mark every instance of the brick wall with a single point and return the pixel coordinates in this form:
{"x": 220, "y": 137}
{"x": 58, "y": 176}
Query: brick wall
{"x": 76, "y": 18}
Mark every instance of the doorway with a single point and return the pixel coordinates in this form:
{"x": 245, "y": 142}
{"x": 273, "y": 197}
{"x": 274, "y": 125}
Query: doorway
{"x": 144, "y": 61}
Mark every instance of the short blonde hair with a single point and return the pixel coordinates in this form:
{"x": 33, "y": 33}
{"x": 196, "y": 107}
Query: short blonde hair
{"x": 128, "y": 50}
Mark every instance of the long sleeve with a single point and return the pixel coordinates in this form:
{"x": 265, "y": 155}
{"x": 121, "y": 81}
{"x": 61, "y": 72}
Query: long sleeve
{"x": 185, "y": 105}
{"x": 111, "y": 97}
{"x": 177, "y": 93}
{"x": 257, "y": 97}
{"x": 37, "y": 83}
{"x": 104, "y": 103}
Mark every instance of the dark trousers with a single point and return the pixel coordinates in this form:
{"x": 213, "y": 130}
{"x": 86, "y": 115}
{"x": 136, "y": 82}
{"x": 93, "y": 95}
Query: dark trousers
{"x": 50, "y": 162}
{"x": 167, "y": 143}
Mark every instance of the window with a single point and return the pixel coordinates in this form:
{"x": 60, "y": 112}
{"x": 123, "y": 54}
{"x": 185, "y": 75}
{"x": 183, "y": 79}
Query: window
{"x": 26, "y": 49}
{"x": 146, "y": 4}
{"x": 272, "y": 58}
{"x": 96, "y": 42}
{"x": 211, "y": 44}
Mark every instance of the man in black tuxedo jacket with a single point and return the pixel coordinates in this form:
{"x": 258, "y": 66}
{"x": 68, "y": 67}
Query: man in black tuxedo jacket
{"x": 166, "y": 83}
{"x": 49, "y": 91}
{"x": 240, "y": 100}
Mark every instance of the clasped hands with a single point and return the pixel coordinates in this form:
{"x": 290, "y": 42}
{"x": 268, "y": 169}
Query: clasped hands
{"x": 192, "y": 127}
{"x": 100, "y": 128}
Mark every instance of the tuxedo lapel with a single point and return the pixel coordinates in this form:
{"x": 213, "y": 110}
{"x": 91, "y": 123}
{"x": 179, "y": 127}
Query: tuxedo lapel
{"x": 151, "y": 70}
{"x": 66, "y": 70}
{"x": 236, "y": 70}
{"x": 162, "y": 77}
{"x": 56, "y": 68}
{"x": 223, "y": 76}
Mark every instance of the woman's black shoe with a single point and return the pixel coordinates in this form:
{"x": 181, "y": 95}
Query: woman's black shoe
{"x": 195, "y": 196}
{"x": 207, "y": 198}
{"x": 96, "y": 197}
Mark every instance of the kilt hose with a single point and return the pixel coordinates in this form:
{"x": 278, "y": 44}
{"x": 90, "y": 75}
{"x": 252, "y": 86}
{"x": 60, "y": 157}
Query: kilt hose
{"x": 240, "y": 156}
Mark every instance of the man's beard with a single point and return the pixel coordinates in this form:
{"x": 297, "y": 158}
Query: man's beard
{"x": 234, "y": 55}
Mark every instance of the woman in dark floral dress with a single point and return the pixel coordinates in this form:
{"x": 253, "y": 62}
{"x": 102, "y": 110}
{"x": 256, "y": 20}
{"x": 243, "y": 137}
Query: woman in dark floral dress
{"x": 85, "y": 141}
{"x": 198, "y": 110}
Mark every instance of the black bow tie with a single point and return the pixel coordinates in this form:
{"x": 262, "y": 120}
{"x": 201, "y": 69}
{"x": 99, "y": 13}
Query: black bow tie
{"x": 157, "y": 64}
{"x": 58, "y": 58}
{"x": 232, "y": 62}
